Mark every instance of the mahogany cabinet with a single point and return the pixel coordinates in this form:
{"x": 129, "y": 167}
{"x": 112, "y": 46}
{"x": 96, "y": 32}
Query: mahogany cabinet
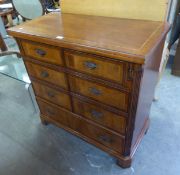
{"x": 94, "y": 76}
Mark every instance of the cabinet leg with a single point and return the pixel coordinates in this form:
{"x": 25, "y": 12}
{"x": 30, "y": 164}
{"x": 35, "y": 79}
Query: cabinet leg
{"x": 147, "y": 128}
{"x": 44, "y": 122}
{"x": 146, "y": 131}
{"x": 126, "y": 163}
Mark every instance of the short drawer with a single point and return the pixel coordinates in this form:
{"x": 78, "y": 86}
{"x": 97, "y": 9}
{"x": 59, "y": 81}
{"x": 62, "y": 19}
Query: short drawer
{"x": 42, "y": 52}
{"x": 95, "y": 66}
{"x": 109, "y": 96}
{"x": 70, "y": 120}
{"x": 99, "y": 115}
{"x": 46, "y": 74}
{"x": 52, "y": 95}
{"x": 58, "y": 114}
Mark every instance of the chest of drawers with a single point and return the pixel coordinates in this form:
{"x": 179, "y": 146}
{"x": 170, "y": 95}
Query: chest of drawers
{"x": 94, "y": 76}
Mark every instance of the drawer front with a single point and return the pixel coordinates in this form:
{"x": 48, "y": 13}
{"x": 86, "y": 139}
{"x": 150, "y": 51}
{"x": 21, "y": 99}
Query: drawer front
{"x": 103, "y": 94}
{"x": 52, "y": 95}
{"x": 58, "y": 114}
{"x": 100, "y": 135}
{"x": 98, "y": 67}
{"x": 99, "y": 115}
{"x": 46, "y": 74}
{"x": 42, "y": 52}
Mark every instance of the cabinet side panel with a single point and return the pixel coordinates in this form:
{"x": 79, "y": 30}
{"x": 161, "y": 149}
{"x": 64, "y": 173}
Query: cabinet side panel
{"x": 146, "y": 95}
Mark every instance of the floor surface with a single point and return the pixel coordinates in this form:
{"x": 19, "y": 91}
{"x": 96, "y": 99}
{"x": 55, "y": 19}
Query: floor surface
{"x": 29, "y": 148}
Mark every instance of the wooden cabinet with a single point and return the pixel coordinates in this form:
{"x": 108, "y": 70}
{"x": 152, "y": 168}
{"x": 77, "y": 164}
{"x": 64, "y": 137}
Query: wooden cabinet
{"x": 96, "y": 80}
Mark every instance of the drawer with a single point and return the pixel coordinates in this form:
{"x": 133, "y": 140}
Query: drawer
{"x": 42, "y": 52}
{"x": 46, "y": 74}
{"x": 52, "y": 95}
{"x": 72, "y": 121}
{"x": 103, "y": 136}
{"x": 94, "y": 66}
{"x": 58, "y": 114}
{"x": 100, "y": 93}
{"x": 99, "y": 115}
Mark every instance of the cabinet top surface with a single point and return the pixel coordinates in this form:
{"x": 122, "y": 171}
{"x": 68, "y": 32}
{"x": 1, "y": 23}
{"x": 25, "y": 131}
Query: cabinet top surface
{"x": 131, "y": 38}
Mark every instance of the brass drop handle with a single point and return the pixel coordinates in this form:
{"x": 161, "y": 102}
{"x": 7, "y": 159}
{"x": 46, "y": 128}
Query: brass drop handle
{"x": 95, "y": 91}
{"x": 50, "y": 112}
{"x": 96, "y": 114}
{"x": 90, "y": 65}
{"x": 51, "y": 94}
{"x": 105, "y": 138}
{"x": 44, "y": 74}
{"x": 40, "y": 52}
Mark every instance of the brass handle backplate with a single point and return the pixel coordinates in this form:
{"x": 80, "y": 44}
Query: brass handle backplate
{"x": 95, "y": 91}
{"x": 105, "y": 138}
{"x": 51, "y": 94}
{"x": 44, "y": 74}
{"x": 50, "y": 112}
{"x": 40, "y": 52}
{"x": 90, "y": 65}
{"x": 96, "y": 114}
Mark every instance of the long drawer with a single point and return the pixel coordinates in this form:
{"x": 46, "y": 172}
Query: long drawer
{"x": 70, "y": 120}
{"x": 97, "y": 66}
{"x": 98, "y": 92}
{"x": 42, "y": 52}
{"x": 46, "y": 74}
{"x": 100, "y": 115}
{"x": 52, "y": 95}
